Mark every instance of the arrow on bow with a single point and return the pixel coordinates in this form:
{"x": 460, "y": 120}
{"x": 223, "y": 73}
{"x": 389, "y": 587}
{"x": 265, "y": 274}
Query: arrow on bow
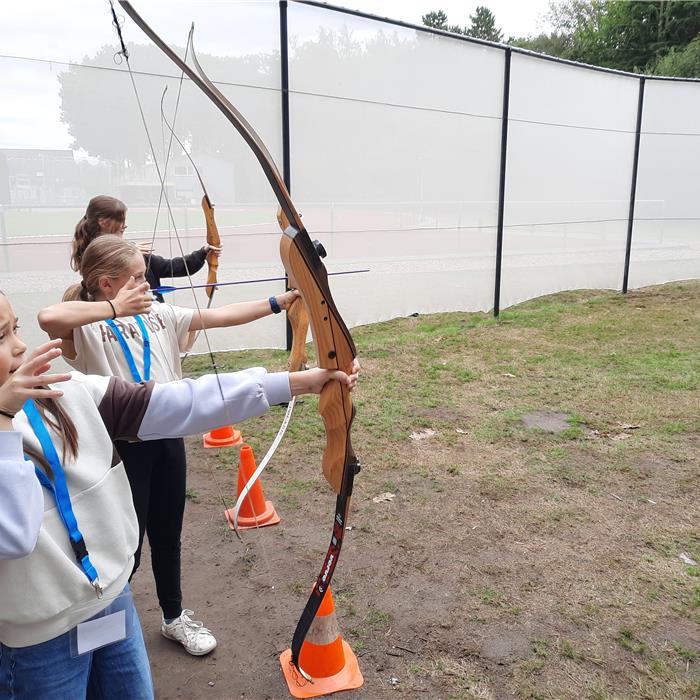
{"x": 334, "y": 345}
{"x": 166, "y": 289}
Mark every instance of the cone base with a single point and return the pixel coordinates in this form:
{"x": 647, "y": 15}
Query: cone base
{"x": 347, "y": 678}
{"x": 234, "y": 439}
{"x": 268, "y": 517}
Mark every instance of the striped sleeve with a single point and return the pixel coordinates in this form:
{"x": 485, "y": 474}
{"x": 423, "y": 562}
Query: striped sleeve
{"x": 123, "y": 407}
{"x": 150, "y": 411}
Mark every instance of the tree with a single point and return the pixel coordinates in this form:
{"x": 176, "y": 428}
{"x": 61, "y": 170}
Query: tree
{"x": 99, "y": 107}
{"x": 628, "y": 35}
{"x": 551, "y": 44}
{"x": 637, "y": 35}
{"x": 682, "y": 63}
{"x": 578, "y": 26}
{"x": 484, "y": 25}
{"x": 437, "y": 19}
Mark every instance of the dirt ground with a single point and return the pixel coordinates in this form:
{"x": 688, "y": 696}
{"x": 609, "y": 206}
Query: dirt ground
{"x": 517, "y": 557}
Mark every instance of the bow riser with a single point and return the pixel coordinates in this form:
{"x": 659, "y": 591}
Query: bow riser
{"x": 214, "y": 239}
{"x": 334, "y": 349}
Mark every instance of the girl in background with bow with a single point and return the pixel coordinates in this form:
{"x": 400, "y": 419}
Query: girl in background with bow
{"x": 68, "y": 529}
{"x": 110, "y": 326}
{"x": 107, "y": 214}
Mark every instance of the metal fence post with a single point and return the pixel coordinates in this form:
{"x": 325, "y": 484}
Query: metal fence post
{"x": 284, "y": 82}
{"x": 633, "y": 188}
{"x": 502, "y": 184}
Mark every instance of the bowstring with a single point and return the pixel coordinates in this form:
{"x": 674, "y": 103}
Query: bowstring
{"x": 160, "y": 196}
{"x": 164, "y": 196}
{"x": 199, "y": 177}
{"x": 268, "y": 165}
{"x": 167, "y": 158}
{"x": 245, "y": 495}
{"x": 172, "y": 226}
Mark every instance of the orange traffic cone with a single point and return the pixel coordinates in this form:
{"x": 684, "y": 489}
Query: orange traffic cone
{"x": 223, "y": 437}
{"x": 325, "y": 656}
{"x": 255, "y": 510}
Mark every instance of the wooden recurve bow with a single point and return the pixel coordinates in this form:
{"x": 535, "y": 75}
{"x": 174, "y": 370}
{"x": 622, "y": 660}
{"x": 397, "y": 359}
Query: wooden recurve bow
{"x": 334, "y": 345}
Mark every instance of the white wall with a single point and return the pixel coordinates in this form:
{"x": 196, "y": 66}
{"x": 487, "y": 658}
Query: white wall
{"x": 395, "y": 155}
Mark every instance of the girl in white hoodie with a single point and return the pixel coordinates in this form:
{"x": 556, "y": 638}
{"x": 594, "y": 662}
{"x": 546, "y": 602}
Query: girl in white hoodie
{"x": 68, "y": 530}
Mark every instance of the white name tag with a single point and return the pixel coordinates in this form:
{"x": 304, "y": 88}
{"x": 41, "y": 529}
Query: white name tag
{"x": 101, "y": 631}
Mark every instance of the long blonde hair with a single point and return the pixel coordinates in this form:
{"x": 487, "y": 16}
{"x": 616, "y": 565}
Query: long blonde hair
{"x": 88, "y": 228}
{"x": 106, "y": 256}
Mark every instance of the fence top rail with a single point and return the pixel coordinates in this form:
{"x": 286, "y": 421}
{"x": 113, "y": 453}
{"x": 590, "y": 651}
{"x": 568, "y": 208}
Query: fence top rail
{"x": 491, "y": 44}
{"x": 407, "y": 25}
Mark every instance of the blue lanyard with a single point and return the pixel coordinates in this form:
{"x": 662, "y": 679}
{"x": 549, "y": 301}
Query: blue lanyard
{"x": 127, "y": 351}
{"x": 59, "y": 489}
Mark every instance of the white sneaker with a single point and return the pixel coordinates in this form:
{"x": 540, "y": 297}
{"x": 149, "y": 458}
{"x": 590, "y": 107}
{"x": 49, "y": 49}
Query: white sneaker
{"x": 196, "y": 638}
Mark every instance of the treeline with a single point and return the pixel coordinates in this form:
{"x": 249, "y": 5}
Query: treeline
{"x": 657, "y": 37}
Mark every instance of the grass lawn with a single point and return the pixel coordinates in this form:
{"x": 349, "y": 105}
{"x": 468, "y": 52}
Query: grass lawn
{"x": 512, "y": 560}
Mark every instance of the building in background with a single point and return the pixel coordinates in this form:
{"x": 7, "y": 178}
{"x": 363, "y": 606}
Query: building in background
{"x": 49, "y": 177}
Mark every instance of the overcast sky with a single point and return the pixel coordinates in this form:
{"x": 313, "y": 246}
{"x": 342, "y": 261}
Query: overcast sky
{"x": 67, "y": 30}
{"x": 513, "y": 17}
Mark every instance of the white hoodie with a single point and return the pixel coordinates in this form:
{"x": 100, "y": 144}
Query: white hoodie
{"x": 43, "y": 590}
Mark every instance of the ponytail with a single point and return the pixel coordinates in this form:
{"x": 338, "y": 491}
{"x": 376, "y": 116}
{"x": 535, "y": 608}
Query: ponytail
{"x": 77, "y": 292}
{"x": 88, "y": 228}
{"x": 85, "y": 232}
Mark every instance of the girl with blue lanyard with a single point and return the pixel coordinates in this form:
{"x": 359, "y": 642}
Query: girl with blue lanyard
{"x": 68, "y": 529}
{"x": 111, "y": 326}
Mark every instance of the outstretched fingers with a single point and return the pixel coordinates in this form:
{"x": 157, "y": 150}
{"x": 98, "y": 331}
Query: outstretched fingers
{"x": 32, "y": 376}
{"x": 40, "y": 358}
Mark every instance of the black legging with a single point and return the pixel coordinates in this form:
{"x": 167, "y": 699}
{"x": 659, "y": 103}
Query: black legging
{"x": 157, "y": 474}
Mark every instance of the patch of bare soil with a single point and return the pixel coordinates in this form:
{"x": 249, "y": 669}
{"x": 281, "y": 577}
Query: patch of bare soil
{"x": 549, "y": 421}
{"x": 447, "y": 591}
